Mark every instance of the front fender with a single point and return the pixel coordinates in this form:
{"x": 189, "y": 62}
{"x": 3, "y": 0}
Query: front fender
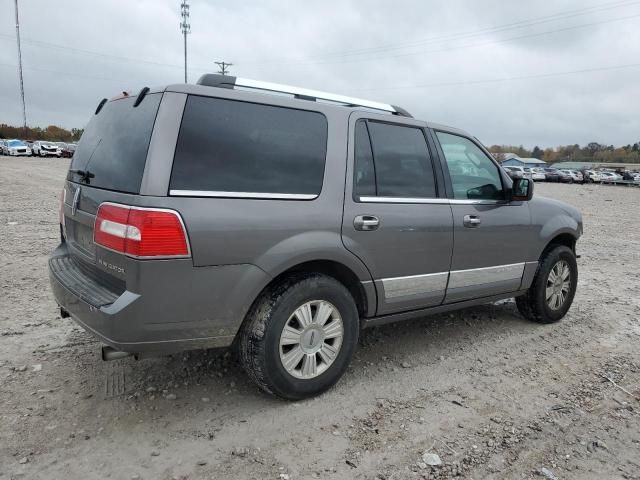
{"x": 552, "y": 218}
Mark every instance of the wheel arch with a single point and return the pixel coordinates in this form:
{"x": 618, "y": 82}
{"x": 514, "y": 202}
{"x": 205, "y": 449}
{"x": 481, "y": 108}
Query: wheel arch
{"x": 363, "y": 292}
{"x": 564, "y": 237}
{"x": 568, "y": 239}
{"x": 340, "y": 272}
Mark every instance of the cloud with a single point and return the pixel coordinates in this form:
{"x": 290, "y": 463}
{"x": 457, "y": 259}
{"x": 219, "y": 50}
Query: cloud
{"x": 495, "y": 68}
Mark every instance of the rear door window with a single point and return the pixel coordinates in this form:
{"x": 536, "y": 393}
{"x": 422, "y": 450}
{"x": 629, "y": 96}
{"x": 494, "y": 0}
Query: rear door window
{"x": 114, "y": 144}
{"x": 228, "y": 147}
{"x": 402, "y": 162}
{"x": 365, "y": 172}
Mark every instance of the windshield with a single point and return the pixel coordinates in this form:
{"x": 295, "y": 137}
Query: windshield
{"x": 16, "y": 143}
{"x": 114, "y": 144}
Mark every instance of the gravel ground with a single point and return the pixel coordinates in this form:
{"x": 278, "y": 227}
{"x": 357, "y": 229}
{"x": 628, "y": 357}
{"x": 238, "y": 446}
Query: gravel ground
{"x": 490, "y": 394}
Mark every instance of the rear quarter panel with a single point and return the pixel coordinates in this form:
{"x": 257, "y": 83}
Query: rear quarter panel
{"x": 273, "y": 235}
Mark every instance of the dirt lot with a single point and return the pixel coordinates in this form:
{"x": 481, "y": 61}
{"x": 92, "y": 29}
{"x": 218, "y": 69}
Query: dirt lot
{"x": 493, "y": 395}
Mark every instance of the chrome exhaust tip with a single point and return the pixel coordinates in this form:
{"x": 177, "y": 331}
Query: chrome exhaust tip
{"x": 110, "y": 353}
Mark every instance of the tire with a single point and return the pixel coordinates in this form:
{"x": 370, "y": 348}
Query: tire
{"x": 535, "y": 305}
{"x": 263, "y": 356}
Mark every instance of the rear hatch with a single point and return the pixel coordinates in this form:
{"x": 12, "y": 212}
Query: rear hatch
{"x": 107, "y": 166}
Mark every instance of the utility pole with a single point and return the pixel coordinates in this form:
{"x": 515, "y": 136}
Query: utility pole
{"x": 185, "y": 27}
{"x": 24, "y": 108}
{"x": 224, "y": 67}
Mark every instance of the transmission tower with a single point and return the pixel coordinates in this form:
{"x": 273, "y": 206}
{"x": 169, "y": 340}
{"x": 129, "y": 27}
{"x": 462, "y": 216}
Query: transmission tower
{"x": 224, "y": 67}
{"x": 24, "y": 108}
{"x": 185, "y": 28}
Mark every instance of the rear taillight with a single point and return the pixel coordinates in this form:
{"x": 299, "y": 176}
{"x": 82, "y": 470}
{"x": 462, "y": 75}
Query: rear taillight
{"x": 141, "y": 232}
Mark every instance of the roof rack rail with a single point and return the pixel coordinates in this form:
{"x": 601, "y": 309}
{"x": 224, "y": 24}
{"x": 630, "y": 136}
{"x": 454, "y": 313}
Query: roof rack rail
{"x": 227, "y": 81}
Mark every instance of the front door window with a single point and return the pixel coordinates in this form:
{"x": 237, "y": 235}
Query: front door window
{"x": 474, "y": 176}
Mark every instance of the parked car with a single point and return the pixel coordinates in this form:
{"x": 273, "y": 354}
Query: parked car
{"x": 630, "y": 175}
{"x": 555, "y": 175}
{"x": 576, "y": 177}
{"x": 68, "y": 149}
{"x": 522, "y": 172}
{"x": 538, "y": 175}
{"x": 18, "y": 148}
{"x": 610, "y": 177}
{"x": 61, "y": 145}
{"x": 46, "y": 149}
{"x": 228, "y": 220}
{"x": 593, "y": 175}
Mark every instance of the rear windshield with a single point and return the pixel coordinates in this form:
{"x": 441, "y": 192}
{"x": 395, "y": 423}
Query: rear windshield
{"x": 114, "y": 144}
{"x": 231, "y": 146}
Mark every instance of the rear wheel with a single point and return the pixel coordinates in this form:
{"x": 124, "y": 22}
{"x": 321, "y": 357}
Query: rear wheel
{"x": 554, "y": 286}
{"x": 299, "y": 337}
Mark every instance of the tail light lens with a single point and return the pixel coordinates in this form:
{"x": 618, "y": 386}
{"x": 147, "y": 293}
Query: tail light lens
{"x": 141, "y": 232}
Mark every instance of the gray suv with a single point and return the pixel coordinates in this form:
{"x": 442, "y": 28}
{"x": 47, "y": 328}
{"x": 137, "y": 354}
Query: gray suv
{"x": 281, "y": 221}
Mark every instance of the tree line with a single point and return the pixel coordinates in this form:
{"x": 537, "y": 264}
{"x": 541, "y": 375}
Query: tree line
{"x": 52, "y": 133}
{"x": 592, "y": 152}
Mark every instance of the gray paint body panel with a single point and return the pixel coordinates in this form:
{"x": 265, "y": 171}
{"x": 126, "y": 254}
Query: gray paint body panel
{"x": 157, "y": 171}
{"x": 413, "y": 239}
{"x": 240, "y": 244}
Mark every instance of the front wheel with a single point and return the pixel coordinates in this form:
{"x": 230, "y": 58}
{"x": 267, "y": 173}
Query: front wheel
{"x": 299, "y": 337}
{"x": 554, "y": 286}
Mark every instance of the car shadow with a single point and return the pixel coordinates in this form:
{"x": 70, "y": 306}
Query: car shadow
{"x": 216, "y": 376}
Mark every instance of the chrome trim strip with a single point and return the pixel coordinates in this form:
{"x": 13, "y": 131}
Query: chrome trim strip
{"x": 485, "y": 275}
{"x": 414, "y": 284}
{"x": 332, "y": 97}
{"x": 455, "y": 201}
{"x": 76, "y": 201}
{"x": 268, "y": 196}
{"x": 436, "y": 201}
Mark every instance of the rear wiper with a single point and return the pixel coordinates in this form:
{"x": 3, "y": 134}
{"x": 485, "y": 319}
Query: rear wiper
{"x": 85, "y": 175}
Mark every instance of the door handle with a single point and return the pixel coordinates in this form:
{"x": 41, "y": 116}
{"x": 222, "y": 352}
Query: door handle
{"x": 366, "y": 223}
{"x": 471, "y": 221}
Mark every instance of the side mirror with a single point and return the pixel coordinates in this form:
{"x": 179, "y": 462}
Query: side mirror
{"x": 522, "y": 190}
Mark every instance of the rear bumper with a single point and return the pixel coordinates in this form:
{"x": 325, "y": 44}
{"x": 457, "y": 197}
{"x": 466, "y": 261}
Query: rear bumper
{"x": 197, "y": 307}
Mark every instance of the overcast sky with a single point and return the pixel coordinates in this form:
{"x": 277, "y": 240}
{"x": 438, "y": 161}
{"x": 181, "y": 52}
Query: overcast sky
{"x": 500, "y": 69}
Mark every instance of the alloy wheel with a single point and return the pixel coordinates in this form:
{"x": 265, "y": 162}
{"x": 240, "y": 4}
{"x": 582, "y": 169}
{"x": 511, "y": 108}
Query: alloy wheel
{"x": 311, "y": 339}
{"x": 558, "y": 285}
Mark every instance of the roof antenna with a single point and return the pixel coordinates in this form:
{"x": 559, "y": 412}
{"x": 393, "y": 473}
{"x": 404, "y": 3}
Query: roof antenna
{"x": 141, "y": 96}
{"x": 100, "y": 105}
